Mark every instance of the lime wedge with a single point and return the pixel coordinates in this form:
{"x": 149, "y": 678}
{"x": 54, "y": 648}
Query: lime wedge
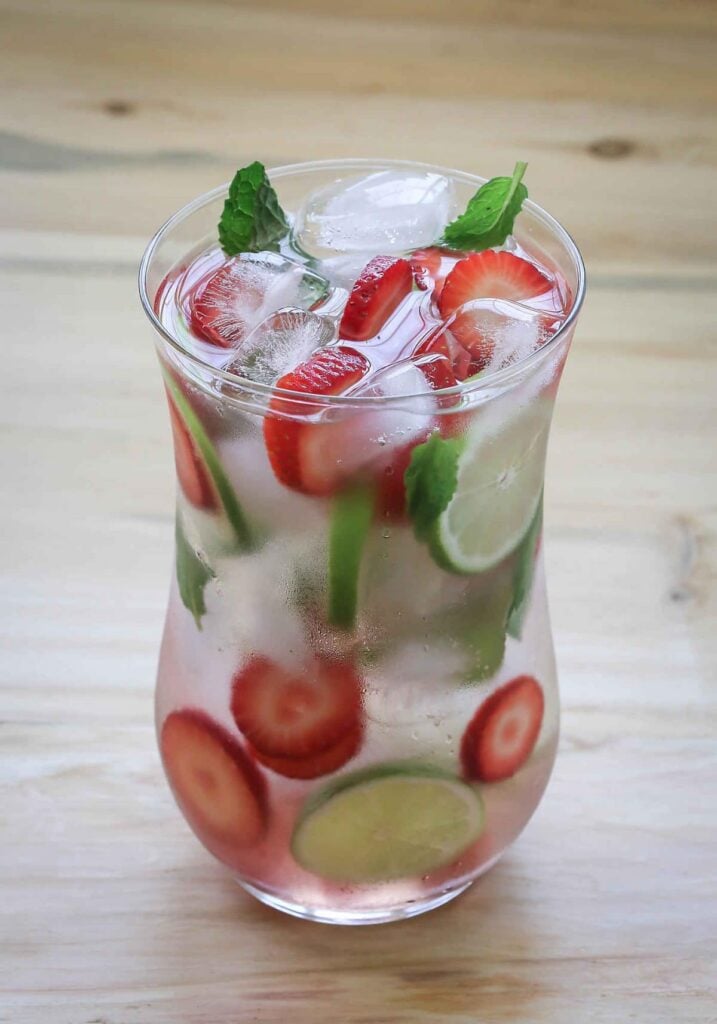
{"x": 351, "y": 516}
{"x": 388, "y": 822}
{"x": 498, "y": 487}
{"x": 227, "y": 497}
{"x": 524, "y": 572}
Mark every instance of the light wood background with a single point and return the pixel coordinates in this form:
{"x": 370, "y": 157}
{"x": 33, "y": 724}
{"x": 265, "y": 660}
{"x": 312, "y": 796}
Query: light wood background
{"x": 112, "y": 114}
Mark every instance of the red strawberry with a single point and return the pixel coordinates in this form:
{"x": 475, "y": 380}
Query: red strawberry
{"x": 491, "y": 275}
{"x": 442, "y": 343}
{"x": 391, "y": 490}
{"x": 438, "y": 370}
{"x": 297, "y": 449}
{"x": 219, "y": 788}
{"x": 192, "y": 473}
{"x": 297, "y": 715}
{"x": 378, "y": 290}
{"x": 431, "y": 267}
{"x": 425, "y": 264}
{"x": 503, "y": 731}
{"x": 316, "y": 765}
{"x": 164, "y": 287}
{"x": 223, "y": 307}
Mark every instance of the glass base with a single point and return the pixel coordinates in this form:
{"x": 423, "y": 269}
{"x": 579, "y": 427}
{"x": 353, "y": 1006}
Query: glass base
{"x": 381, "y": 915}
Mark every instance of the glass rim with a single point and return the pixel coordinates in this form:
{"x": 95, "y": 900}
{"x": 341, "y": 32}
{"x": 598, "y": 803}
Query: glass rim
{"x": 485, "y": 382}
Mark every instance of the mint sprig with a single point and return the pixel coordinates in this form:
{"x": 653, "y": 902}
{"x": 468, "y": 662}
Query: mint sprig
{"x": 192, "y": 575}
{"x": 489, "y": 216}
{"x": 252, "y": 219}
{"x": 430, "y": 482}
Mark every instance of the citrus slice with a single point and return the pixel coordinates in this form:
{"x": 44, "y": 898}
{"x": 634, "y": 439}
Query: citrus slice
{"x": 526, "y": 556}
{"x": 499, "y": 479}
{"x": 388, "y": 822}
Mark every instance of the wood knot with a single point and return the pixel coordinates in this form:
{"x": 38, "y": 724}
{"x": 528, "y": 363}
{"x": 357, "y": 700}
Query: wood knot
{"x": 611, "y": 149}
{"x": 118, "y": 108}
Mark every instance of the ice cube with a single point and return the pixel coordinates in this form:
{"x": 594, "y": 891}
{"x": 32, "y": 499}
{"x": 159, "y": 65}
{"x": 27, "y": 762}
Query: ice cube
{"x": 405, "y": 382}
{"x": 384, "y": 212}
{"x": 498, "y": 332}
{"x": 344, "y": 270}
{"x": 246, "y": 289}
{"x": 280, "y": 342}
{"x": 250, "y": 607}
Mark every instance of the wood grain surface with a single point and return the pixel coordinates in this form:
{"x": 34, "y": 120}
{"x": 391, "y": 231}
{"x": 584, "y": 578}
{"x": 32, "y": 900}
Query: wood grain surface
{"x": 112, "y": 114}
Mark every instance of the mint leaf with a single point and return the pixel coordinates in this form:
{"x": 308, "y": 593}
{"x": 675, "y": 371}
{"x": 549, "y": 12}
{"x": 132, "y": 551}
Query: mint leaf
{"x": 523, "y": 575}
{"x": 430, "y": 481}
{"x": 252, "y": 220}
{"x": 489, "y": 216}
{"x": 192, "y": 575}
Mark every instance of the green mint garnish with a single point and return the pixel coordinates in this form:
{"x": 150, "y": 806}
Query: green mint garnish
{"x": 252, "y": 220}
{"x": 489, "y": 216}
{"x": 430, "y": 481}
{"x": 192, "y": 575}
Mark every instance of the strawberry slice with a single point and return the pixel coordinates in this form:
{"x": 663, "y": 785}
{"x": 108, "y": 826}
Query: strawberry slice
{"x": 316, "y": 765}
{"x": 296, "y": 715}
{"x": 192, "y": 473}
{"x": 218, "y": 787}
{"x": 164, "y": 286}
{"x": 431, "y": 267}
{"x": 426, "y": 265}
{"x": 443, "y": 344}
{"x": 223, "y": 307}
{"x": 491, "y": 275}
{"x": 391, "y": 489}
{"x": 382, "y": 284}
{"x": 297, "y": 449}
{"x": 503, "y": 731}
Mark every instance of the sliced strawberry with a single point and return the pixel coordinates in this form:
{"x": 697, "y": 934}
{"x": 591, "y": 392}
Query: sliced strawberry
{"x": 379, "y": 288}
{"x": 192, "y": 473}
{"x": 315, "y": 765}
{"x": 164, "y": 286}
{"x": 443, "y": 343}
{"x": 503, "y": 731}
{"x": 297, "y": 448}
{"x": 224, "y": 305}
{"x": 491, "y": 275}
{"x": 431, "y": 267}
{"x": 292, "y": 714}
{"x": 426, "y": 265}
{"x": 218, "y": 787}
{"x": 483, "y": 324}
{"x": 391, "y": 489}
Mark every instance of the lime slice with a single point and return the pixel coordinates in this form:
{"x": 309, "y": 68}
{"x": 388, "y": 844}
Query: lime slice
{"x": 524, "y": 572}
{"x": 387, "y": 822}
{"x": 227, "y": 497}
{"x": 351, "y": 516}
{"x": 498, "y": 487}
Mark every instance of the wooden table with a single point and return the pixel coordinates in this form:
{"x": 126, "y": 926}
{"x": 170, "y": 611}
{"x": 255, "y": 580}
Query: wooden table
{"x": 113, "y": 114}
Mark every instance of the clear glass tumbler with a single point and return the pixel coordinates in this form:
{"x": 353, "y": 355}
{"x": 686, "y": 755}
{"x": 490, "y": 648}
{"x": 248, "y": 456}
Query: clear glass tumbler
{"x": 436, "y": 689}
